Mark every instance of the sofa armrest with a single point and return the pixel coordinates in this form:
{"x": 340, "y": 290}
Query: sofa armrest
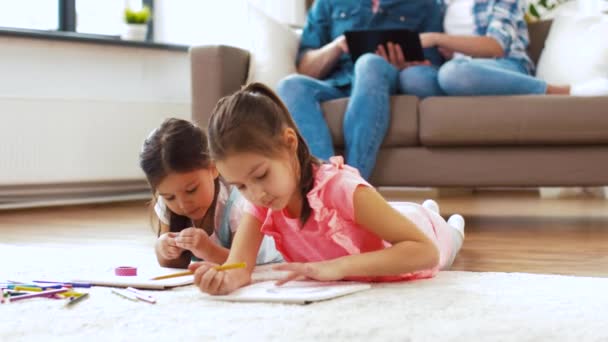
{"x": 216, "y": 71}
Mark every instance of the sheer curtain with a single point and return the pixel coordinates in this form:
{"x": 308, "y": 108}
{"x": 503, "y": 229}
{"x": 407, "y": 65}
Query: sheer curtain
{"x": 291, "y": 12}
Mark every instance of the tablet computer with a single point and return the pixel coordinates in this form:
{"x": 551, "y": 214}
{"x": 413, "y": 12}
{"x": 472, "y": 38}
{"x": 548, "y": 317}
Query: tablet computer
{"x": 364, "y": 41}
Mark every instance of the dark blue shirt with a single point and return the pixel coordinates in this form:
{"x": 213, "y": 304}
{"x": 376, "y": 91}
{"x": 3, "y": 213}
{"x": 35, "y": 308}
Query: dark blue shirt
{"x": 328, "y": 19}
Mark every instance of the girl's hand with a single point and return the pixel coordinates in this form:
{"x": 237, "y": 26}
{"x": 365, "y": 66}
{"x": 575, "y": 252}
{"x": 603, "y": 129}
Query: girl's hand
{"x": 193, "y": 239}
{"x": 217, "y": 282}
{"x": 323, "y": 271}
{"x": 429, "y": 39}
{"x": 168, "y": 248}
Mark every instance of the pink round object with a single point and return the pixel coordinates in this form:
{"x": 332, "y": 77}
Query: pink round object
{"x": 125, "y": 271}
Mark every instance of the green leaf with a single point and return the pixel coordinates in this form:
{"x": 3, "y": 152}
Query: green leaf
{"x": 137, "y": 17}
{"x": 533, "y": 11}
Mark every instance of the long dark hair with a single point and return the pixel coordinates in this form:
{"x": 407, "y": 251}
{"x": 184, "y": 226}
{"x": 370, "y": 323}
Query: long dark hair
{"x": 177, "y": 146}
{"x": 253, "y": 120}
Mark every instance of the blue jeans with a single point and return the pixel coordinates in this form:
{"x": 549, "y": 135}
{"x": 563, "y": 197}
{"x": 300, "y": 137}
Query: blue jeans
{"x": 366, "y": 118}
{"x": 471, "y": 77}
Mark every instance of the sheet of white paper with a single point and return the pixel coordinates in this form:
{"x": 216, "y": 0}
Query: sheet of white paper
{"x": 141, "y": 281}
{"x": 295, "y": 292}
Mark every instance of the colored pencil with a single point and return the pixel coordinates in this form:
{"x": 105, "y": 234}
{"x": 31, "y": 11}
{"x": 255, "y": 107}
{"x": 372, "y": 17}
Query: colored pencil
{"x": 230, "y": 266}
{"x": 173, "y": 275}
{"x": 142, "y": 296}
{"x": 38, "y": 294}
{"x": 74, "y": 300}
{"x": 125, "y": 294}
{"x": 65, "y": 284}
{"x": 217, "y": 268}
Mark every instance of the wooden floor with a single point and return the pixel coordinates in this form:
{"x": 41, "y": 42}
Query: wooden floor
{"x": 505, "y": 232}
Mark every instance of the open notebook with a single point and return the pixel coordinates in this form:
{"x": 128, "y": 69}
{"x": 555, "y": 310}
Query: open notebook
{"x": 294, "y": 292}
{"x": 141, "y": 281}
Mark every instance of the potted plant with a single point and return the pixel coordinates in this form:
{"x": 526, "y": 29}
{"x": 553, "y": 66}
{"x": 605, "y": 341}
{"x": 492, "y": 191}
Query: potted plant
{"x": 536, "y": 8}
{"x": 136, "y": 23}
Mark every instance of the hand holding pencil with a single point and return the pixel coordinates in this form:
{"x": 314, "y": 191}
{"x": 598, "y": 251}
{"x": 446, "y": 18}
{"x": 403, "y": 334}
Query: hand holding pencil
{"x": 212, "y": 278}
{"x": 216, "y": 267}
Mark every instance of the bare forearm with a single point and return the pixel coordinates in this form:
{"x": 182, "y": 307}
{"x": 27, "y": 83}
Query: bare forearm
{"x": 318, "y": 63}
{"x": 474, "y": 46}
{"x": 245, "y": 247}
{"x": 413, "y": 256}
{"x": 212, "y": 252}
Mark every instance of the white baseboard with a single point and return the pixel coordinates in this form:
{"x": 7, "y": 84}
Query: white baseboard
{"x": 45, "y": 195}
{"x": 74, "y": 201}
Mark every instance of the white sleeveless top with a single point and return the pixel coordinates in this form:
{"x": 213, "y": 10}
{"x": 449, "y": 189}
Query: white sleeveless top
{"x": 459, "y": 18}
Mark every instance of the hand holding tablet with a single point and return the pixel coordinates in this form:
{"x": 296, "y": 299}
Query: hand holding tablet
{"x": 364, "y": 41}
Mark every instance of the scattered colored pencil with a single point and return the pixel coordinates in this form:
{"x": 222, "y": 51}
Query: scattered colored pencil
{"x": 142, "y": 296}
{"x": 75, "y": 300}
{"x": 64, "y": 284}
{"x": 38, "y": 294}
{"x": 125, "y": 294}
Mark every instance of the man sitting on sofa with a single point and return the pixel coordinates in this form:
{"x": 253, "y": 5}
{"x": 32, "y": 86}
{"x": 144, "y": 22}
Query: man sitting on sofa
{"x": 326, "y": 72}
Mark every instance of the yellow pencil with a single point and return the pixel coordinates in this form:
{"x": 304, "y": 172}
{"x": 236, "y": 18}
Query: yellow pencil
{"x": 230, "y": 266}
{"x": 173, "y": 275}
{"x": 28, "y": 288}
{"x": 217, "y": 268}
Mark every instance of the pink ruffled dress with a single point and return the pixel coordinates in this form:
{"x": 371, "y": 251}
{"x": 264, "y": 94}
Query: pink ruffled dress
{"x": 331, "y": 231}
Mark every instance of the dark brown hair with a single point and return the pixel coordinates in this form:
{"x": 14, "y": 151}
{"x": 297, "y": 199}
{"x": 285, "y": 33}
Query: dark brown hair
{"x": 253, "y": 120}
{"x": 177, "y": 146}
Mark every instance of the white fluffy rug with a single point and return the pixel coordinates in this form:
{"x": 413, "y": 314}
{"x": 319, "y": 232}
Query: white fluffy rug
{"x": 454, "y": 306}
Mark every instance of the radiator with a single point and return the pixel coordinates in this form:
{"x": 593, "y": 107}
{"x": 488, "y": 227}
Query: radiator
{"x": 73, "y": 117}
{"x": 75, "y": 151}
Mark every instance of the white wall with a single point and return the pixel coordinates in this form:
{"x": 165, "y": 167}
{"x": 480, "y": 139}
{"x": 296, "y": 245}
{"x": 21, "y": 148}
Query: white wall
{"x": 78, "y": 112}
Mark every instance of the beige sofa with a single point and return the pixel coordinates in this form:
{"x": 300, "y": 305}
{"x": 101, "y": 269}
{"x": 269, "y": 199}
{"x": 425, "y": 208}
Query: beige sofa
{"x": 455, "y": 141}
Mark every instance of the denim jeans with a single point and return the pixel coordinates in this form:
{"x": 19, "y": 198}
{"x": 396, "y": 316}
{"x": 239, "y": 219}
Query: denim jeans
{"x": 329, "y": 19}
{"x": 471, "y": 77}
{"x": 366, "y": 118}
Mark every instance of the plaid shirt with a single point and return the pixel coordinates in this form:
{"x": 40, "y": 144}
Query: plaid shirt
{"x": 504, "y": 21}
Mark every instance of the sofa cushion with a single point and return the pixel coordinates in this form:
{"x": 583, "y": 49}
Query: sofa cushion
{"x": 513, "y": 120}
{"x": 575, "y": 38}
{"x": 273, "y": 48}
{"x": 403, "y": 129}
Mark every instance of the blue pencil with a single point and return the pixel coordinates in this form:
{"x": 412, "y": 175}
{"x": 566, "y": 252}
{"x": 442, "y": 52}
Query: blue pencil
{"x": 42, "y": 287}
{"x": 72, "y": 284}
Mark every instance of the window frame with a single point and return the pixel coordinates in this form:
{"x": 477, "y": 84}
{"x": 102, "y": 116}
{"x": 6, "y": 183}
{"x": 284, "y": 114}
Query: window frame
{"x": 67, "y": 18}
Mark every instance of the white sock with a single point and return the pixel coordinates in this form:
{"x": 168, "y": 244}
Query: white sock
{"x": 431, "y": 205}
{"x": 457, "y": 222}
{"x": 595, "y": 87}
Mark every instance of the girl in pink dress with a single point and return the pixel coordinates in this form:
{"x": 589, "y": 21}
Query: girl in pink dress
{"x": 325, "y": 219}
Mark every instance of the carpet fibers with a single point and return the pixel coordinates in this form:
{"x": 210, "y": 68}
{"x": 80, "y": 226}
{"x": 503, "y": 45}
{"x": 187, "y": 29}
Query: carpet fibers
{"x": 454, "y": 306}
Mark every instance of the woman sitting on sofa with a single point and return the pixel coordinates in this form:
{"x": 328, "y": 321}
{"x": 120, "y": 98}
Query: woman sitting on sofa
{"x": 485, "y": 42}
